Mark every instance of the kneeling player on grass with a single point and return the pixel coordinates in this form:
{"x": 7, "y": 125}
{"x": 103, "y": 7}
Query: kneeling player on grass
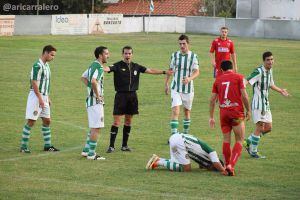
{"x": 183, "y": 148}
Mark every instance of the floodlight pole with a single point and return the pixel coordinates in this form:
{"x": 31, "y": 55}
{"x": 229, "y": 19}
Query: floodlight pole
{"x": 214, "y": 4}
{"x": 37, "y": 10}
{"x": 93, "y": 4}
{"x": 149, "y": 22}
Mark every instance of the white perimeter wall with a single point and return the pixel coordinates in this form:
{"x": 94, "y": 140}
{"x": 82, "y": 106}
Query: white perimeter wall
{"x": 281, "y": 29}
{"x": 165, "y": 24}
{"x": 283, "y": 9}
{"x": 262, "y": 28}
{"x": 154, "y": 24}
{"x": 132, "y": 24}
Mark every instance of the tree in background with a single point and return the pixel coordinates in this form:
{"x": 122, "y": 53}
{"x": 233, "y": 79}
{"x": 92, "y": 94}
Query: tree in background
{"x": 65, "y": 6}
{"x": 223, "y": 8}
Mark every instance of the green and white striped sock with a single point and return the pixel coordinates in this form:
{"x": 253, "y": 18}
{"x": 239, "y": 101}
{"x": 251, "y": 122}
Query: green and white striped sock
{"x": 47, "y": 136}
{"x": 174, "y": 126}
{"x": 186, "y": 126}
{"x": 87, "y": 145}
{"x": 172, "y": 166}
{"x": 93, "y": 145}
{"x": 25, "y": 136}
{"x": 254, "y": 143}
{"x": 248, "y": 140}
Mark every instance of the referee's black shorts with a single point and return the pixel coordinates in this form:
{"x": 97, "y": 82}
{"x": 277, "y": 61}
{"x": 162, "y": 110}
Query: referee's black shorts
{"x": 126, "y": 103}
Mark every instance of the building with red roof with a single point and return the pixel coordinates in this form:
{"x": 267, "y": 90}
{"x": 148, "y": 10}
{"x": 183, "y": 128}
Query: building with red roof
{"x": 161, "y": 7}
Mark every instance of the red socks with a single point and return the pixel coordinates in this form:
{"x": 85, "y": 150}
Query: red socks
{"x": 226, "y": 153}
{"x": 236, "y": 152}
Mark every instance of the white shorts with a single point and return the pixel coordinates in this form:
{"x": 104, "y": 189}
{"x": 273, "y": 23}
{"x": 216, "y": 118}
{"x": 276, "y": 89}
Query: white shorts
{"x": 185, "y": 99}
{"x": 33, "y": 109}
{"x": 178, "y": 150}
{"x": 96, "y": 116}
{"x": 258, "y": 116}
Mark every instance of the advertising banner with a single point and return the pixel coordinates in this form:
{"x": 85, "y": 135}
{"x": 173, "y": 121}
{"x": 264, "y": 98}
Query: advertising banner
{"x": 105, "y": 23}
{"x": 7, "y": 25}
{"x": 73, "y": 24}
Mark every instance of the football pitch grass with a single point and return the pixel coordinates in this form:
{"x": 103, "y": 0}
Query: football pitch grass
{"x": 67, "y": 175}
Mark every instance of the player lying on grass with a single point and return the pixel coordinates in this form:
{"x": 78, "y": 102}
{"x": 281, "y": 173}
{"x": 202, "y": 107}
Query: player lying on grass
{"x": 183, "y": 149}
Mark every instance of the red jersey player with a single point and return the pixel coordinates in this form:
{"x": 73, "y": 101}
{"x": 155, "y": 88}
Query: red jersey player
{"x": 230, "y": 90}
{"x": 223, "y": 48}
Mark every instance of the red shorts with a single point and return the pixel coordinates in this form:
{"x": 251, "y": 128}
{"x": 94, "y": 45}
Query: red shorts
{"x": 230, "y": 118}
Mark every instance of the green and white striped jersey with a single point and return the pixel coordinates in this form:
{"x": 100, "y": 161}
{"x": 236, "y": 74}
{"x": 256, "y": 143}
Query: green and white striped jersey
{"x": 95, "y": 71}
{"x": 199, "y": 151}
{"x": 183, "y": 65}
{"x": 41, "y": 73}
{"x": 261, "y": 80}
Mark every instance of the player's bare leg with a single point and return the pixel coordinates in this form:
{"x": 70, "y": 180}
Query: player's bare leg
{"x": 267, "y": 128}
{"x": 186, "y": 120}
{"x": 174, "y": 119}
{"x": 31, "y": 122}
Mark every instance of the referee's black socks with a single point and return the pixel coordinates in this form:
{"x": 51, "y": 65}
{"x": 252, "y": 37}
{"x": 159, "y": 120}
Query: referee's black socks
{"x": 113, "y": 135}
{"x": 126, "y": 131}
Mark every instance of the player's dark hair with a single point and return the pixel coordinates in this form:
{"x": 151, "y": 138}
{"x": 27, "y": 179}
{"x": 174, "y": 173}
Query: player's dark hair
{"x": 224, "y": 27}
{"x": 226, "y": 65}
{"x": 127, "y": 48}
{"x": 184, "y": 37}
{"x": 48, "y": 48}
{"x": 266, "y": 54}
{"x": 99, "y": 50}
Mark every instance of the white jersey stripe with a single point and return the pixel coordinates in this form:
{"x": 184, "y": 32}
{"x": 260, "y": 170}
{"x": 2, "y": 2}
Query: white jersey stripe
{"x": 183, "y": 65}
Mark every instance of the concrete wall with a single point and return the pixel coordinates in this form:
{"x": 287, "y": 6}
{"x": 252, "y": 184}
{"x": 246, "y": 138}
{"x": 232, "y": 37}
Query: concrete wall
{"x": 254, "y": 8}
{"x": 281, "y": 29}
{"x": 243, "y": 9}
{"x": 209, "y": 25}
{"x": 132, "y": 24}
{"x": 165, "y": 24}
{"x": 281, "y": 9}
{"x": 262, "y": 28}
{"x": 247, "y": 8}
{"x": 267, "y": 9}
{"x": 32, "y": 25}
{"x": 241, "y": 27}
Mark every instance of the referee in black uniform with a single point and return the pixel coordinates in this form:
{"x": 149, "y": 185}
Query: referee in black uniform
{"x": 126, "y": 82}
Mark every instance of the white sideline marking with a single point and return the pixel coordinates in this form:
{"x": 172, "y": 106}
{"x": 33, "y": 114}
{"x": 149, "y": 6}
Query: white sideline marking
{"x": 48, "y": 153}
{"x": 113, "y": 188}
{"x": 70, "y": 124}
